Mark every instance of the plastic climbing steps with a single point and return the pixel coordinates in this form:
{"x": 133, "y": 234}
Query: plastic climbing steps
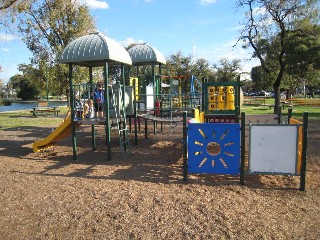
{"x": 120, "y": 116}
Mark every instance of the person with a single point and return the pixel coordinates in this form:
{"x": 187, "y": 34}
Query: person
{"x": 90, "y": 110}
{"x": 78, "y": 107}
{"x": 98, "y": 98}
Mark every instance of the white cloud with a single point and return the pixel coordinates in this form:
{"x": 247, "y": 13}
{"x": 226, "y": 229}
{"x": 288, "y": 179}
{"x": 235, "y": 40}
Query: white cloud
{"x": 207, "y": 2}
{"x": 4, "y": 37}
{"x": 95, "y": 4}
{"x": 129, "y": 41}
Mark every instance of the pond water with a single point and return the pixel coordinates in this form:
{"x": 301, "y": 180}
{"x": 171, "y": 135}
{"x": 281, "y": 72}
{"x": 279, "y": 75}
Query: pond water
{"x": 30, "y": 105}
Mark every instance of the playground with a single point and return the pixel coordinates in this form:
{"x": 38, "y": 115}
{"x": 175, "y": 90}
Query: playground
{"x": 202, "y": 169}
{"x": 48, "y": 195}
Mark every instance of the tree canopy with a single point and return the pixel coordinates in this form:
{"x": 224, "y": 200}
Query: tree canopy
{"x": 270, "y": 27}
{"x": 46, "y": 28}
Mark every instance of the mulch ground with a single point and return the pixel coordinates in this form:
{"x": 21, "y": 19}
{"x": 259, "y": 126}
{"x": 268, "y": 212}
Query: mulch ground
{"x": 142, "y": 195}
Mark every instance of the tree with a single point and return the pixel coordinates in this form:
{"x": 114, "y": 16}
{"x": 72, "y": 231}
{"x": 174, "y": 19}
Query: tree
{"x": 27, "y": 90}
{"x": 181, "y": 66}
{"x": 270, "y": 25}
{"x": 303, "y": 60}
{"x": 186, "y": 66}
{"x": 201, "y": 68}
{"x": 178, "y": 65}
{"x": 6, "y": 4}
{"x": 226, "y": 70}
{"x": 2, "y": 87}
{"x": 10, "y": 10}
{"x": 47, "y": 27}
{"x": 26, "y": 84}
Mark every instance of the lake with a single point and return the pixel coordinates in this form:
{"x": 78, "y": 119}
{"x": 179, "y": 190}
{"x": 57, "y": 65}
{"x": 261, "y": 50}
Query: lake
{"x": 30, "y": 105}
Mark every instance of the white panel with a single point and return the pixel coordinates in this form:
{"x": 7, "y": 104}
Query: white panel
{"x": 273, "y": 149}
{"x": 150, "y": 96}
{"x": 129, "y": 100}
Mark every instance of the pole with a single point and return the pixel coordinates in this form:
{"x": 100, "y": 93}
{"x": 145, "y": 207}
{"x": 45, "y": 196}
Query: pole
{"x": 135, "y": 112}
{"x": 93, "y": 130}
{"x": 123, "y": 108}
{"x": 304, "y": 152}
{"x": 185, "y": 149}
{"x": 47, "y": 87}
{"x": 243, "y": 146}
{"x": 73, "y": 128}
{"x": 106, "y": 108}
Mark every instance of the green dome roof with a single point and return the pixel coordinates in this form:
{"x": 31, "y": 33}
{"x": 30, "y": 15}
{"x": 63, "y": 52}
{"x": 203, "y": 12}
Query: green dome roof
{"x": 94, "y": 50}
{"x": 144, "y": 54}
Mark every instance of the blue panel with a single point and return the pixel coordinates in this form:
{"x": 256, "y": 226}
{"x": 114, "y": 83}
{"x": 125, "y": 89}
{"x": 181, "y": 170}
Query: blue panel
{"x": 214, "y": 148}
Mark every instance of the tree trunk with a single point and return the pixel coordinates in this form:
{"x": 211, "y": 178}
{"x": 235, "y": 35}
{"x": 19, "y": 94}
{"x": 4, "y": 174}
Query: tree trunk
{"x": 277, "y": 99}
{"x": 276, "y": 85}
{"x": 68, "y": 96}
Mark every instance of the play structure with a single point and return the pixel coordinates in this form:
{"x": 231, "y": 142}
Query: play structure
{"x": 217, "y": 139}
{"x": 159, "y": 98}
{"x": 212, "y": 147}
{"x": 94, "y": 50}
{"x": 166, "y": 106}
{"x": 167, "y": 92}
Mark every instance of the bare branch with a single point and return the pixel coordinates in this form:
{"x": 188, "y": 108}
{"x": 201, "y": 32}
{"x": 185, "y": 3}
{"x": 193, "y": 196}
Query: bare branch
{"x": 7, "y": 4}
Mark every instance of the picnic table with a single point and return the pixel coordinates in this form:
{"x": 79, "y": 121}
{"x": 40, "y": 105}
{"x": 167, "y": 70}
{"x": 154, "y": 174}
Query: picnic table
{"x": 283, "y": 104}
{"x": 43, "y": 109}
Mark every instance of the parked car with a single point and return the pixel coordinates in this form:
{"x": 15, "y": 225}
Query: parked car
{"x": 282, "y": 95}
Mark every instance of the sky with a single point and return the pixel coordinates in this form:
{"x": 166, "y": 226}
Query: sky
{"x": 201, "y": 28}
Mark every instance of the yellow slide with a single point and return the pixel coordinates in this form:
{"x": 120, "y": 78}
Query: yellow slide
{"x": 59, "y": 133}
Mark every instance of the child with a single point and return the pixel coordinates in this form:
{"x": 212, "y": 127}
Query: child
{"x": 78, "y": 107}
{"x": 98, "y": 97}
{"x": 90, "y": 111}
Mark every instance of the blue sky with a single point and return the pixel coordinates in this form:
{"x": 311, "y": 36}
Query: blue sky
{"x": 209, "y": 28}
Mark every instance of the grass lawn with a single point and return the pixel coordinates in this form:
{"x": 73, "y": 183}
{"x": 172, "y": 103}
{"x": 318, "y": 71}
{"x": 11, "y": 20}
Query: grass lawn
{"x": 309, "y": 105}
{"x": 24, "y": 118}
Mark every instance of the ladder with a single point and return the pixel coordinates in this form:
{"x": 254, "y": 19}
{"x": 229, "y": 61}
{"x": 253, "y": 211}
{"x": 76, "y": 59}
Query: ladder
{"x": 120, "y": 116}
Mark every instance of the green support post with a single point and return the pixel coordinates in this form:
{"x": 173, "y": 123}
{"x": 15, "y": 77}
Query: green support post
{"x": 124, "y": 123}
{"x": 135, "y": 113}
{"x": 279, "y": 114}
{"x": 237, "y": 114}
{"x": 202, "y": 94}
{"x": 304, "y": 152}
{"x": 289, "y": 114}
{"x": 243, "y": 146}
{"x": 145, "y": 128}
{"x": 106, "y": 107}
{"x": 93, "y": 130}
{"x": 153, "y": 84}
{"x": 185, "y": 150}
{"x": 237, "y": 103}
{"x": 73, "y": 128}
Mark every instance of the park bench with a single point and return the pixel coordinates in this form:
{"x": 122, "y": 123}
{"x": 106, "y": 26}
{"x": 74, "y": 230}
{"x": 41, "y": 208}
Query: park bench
{"x": 283, "y": 105}
{"x": 304, "y": 102}
{"x": 43, "y": 109}
{"x": 298, "y": 102}
{"x": 254, "y": 100}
